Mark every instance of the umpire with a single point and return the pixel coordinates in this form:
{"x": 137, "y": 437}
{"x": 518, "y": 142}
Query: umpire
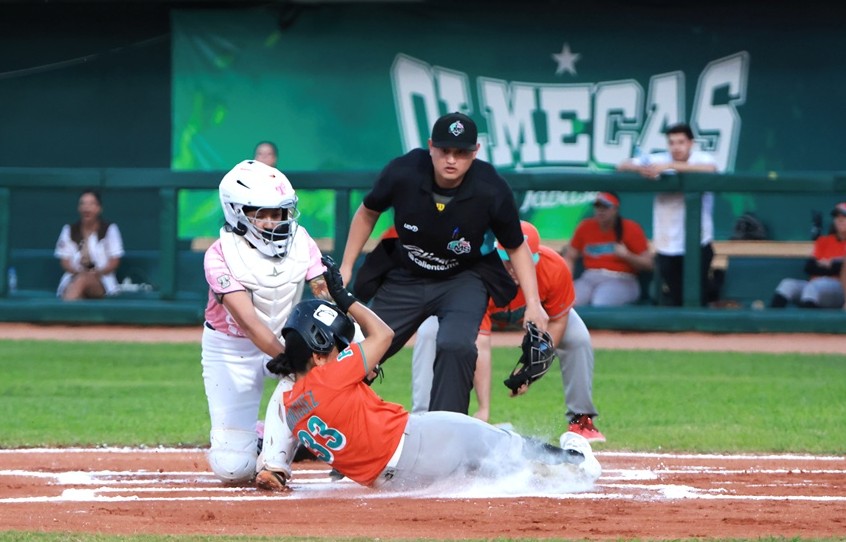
{"x": 440, "y": 259}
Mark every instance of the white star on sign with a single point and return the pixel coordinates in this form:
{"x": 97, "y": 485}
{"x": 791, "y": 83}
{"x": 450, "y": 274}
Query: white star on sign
{"x": 566, "y": 60}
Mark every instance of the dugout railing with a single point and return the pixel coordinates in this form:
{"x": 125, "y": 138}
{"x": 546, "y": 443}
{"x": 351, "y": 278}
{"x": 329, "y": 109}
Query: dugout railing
{"x": 167, "y": 184}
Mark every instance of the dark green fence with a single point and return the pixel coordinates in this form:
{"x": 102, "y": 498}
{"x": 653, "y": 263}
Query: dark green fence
{"x": 161, "y": 188}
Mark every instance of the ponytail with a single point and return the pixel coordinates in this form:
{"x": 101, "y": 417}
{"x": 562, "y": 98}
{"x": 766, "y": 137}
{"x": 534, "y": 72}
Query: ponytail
{"x": 294, "y": 359}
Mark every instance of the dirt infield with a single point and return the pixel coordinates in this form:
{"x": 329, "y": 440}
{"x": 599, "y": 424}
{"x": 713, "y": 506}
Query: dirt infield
{"x": 644, "y": 496}
{"x": 750, "y": 342}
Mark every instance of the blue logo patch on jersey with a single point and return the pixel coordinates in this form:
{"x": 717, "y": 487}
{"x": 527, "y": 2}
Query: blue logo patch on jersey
{"x": 459, "y": 246}
{"x": 599, "y": 249}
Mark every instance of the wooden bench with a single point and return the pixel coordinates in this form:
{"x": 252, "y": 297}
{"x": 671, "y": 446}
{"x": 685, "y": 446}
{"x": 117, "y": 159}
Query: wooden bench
{"x": 724, "y": 250}
{"x": 753, "y": 269}
{"x": 757, "y": 267}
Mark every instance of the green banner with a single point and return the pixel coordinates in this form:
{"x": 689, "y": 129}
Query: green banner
{"x": 566, "y": 89}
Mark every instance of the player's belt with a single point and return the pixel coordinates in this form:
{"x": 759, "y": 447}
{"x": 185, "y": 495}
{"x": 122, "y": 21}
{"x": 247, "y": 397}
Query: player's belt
{"x": 391, "y": 467}
{"x": 392, "y": 463}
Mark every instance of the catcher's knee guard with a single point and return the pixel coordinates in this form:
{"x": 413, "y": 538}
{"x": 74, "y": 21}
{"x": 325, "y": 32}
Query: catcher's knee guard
{"x": 232, "y": 456}
{"x": 279, "y": 443}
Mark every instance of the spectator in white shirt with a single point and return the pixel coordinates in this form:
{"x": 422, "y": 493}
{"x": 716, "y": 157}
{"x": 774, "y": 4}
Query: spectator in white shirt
{"x": 668, "y": 213}
{"x": 89, "y": 251}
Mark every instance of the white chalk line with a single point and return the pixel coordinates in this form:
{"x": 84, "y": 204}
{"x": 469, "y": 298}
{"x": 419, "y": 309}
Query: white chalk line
{"x": 311, "y": 484}
{"x": 199, "y": 477}
{"x": 641, "y": 455}
{"x": 133, "y": 482}
{"x": 664, "y": 493}
{"x": 105, "y": 449}
{"x": 767, "y": 457}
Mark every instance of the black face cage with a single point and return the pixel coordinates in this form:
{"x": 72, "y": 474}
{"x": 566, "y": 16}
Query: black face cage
{"x": 542, "y": 351}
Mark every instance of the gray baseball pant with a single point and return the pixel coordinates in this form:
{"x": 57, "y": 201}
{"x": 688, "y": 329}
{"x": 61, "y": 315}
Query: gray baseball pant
{"x": 441, "y": 445}
{"x": 575, "y": 357}
{"x": 825, "y": 292}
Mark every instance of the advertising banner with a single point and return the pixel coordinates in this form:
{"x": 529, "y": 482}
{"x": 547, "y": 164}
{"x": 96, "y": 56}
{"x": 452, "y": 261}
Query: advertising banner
{"x": 553, "y": 88}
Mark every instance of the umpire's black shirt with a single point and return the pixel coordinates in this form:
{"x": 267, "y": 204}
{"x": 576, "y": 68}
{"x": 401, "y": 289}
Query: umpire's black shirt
{"x": 439, "y": 243}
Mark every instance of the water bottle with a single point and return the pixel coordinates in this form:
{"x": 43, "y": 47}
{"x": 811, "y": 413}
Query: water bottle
{"x": 639, "y": 157}
{"x": 13, "y": 280}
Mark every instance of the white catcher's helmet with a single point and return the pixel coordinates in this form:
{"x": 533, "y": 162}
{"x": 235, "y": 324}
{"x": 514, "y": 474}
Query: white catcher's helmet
{"x": 253, "y": 185}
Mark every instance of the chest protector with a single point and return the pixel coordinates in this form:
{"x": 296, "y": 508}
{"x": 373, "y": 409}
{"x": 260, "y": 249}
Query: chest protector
{"x": 275, "y": 284}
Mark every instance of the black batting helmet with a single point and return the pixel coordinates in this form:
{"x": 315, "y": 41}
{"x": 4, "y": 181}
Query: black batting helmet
{"x": 321, "y": 324}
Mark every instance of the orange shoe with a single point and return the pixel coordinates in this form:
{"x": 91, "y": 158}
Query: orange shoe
{"x": 582, "y": 424}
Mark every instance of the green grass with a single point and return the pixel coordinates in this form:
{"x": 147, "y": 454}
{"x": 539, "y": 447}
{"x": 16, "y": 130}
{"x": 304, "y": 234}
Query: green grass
{"x": 89, "y": 394}
{"x": 93, "y": 394}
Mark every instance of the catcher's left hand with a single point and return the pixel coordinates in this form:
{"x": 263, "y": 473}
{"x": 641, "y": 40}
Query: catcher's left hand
{"x": 538, "y": 353}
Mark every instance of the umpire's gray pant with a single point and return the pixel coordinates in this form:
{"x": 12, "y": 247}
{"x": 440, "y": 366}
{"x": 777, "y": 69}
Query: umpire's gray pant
{"x": 404, "y": 301}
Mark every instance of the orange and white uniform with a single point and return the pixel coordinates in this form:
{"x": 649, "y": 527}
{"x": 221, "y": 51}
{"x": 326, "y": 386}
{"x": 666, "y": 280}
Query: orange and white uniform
{"x": 829, "y": 247}
{"x": 823, "y": 289}
{"x": 574, "y": 350}
{"x": 379, "y": 444}
{"x": 596, "y": 245}
{"x": 334, "y": 414}
{"x": 607, "y": 279}
{"x": 555, "y": 287}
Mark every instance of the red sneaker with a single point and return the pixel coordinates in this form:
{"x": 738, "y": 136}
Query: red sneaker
{"x": 583, "y": 425}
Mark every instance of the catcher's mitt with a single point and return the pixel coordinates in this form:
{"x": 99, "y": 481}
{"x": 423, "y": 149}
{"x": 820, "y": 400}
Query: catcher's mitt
{"x": 538, "y": 353}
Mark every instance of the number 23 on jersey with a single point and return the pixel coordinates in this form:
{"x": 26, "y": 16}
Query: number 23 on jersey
{"x": 333, "y": 440}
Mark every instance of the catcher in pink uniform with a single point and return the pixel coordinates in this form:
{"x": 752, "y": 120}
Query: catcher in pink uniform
{"x": 256, "y": 272}
{"x": 376, "y": 443}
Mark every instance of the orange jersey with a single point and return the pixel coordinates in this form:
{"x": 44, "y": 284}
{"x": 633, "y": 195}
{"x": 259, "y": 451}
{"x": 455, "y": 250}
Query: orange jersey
{"x": 342, "y": 420}
{"x": 597, "y": 246}
{"x": 555, "y": 288}
{"x": 828, "y": 247}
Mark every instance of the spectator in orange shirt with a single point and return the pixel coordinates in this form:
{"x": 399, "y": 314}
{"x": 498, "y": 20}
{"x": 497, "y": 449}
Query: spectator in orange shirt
{"x": 613, "y": 250}
{"x": 824, "y": 288}
{"x": 843, "y": 283}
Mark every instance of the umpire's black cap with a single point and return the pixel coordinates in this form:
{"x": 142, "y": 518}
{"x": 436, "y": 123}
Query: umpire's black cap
{"x": 455, "y": 131}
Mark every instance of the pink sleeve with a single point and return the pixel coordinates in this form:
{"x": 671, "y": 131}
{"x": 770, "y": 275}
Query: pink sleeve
{"x": 217, "y": 272}
{"x": 220, "y": 282}
{"x": 315, "y": 266}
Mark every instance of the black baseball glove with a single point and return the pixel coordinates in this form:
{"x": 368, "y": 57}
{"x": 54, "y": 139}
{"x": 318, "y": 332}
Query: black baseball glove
{"x": 335, "y": 284}
{"x": 538, "y": 353}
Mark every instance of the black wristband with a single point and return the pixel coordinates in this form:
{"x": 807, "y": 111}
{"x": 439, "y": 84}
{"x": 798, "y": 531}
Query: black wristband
{"x": 343, "y": 298}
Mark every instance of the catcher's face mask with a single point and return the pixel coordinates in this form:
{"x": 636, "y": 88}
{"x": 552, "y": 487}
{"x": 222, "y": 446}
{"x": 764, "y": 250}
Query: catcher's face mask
{"x": 535, "y": 360}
